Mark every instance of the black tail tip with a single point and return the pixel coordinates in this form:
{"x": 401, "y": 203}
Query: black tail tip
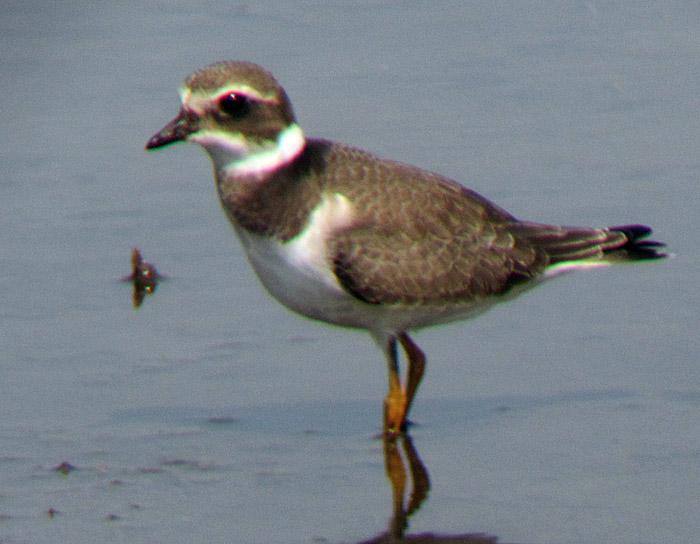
{"x": 636, "y": 247}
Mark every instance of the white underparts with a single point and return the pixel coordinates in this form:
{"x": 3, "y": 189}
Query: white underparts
{"x": 236, "y": 155}
{"x": 307, "y": 252}
{"x": 298, "y": 272}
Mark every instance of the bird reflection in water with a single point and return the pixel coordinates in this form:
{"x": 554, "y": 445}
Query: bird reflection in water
{"x": 396, "y": 464}
{"x": 144, "y": 276}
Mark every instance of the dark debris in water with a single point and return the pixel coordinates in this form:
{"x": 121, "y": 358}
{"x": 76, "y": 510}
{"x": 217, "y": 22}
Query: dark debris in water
{"x": 64, "y": 468}
{"x": 222, "y": 420}
{"x": 433, "y": 538}
{"x": 144, "y": 277}
{"x": 191, "y": 464}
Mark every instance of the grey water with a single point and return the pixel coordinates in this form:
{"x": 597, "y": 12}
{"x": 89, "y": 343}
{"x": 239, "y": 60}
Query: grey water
{"x": 210, "y": 413}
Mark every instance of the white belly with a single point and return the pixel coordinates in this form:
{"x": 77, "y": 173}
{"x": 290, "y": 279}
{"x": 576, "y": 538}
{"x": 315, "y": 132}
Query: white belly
{"x": 300, "y": 288}
{"x": 299, "y": 273}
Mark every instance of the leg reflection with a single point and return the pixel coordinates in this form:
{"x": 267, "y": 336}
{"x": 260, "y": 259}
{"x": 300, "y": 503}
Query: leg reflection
{"x": 399, "y": 454}
{"x": 396, "y": 473}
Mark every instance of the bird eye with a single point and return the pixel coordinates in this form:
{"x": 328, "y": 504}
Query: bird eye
{"x": 235, "y": 105}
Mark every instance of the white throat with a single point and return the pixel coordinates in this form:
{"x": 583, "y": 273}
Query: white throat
{"x": 236, "y": 155}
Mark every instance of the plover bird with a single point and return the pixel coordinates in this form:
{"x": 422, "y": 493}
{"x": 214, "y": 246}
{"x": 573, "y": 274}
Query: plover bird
{"x": 339, "y": 235}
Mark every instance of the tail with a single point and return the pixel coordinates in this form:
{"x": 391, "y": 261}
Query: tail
{"x": 570, "y": 248}
{"x": 635, "y": 248}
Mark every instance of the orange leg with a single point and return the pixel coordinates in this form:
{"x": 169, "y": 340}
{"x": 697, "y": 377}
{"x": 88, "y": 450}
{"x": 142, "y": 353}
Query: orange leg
{"x": 395, "y": 402}
{"x": 415, "y": 369}
{"x": 399, "y": 399}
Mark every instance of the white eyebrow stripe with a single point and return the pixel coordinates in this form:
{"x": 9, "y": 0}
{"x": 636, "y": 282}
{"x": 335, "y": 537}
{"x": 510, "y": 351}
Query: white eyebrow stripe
{"x": 200, "y": 100}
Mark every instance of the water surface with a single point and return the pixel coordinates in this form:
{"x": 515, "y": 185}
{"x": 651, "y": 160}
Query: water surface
{"x": 211, "y": 413}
